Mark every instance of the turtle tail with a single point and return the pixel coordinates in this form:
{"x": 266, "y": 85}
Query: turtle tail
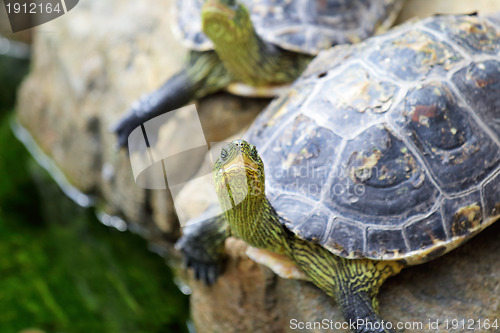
{"x": 203, "y": 74}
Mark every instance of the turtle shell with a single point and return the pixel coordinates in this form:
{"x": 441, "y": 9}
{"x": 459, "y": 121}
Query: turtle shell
{"x": 390, "y": 149}
{"x": 305, "y": 26}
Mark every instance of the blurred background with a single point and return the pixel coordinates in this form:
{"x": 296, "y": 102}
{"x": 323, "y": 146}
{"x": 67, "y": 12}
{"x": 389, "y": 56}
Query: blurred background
{"x": 61, "y": 269}
{"x": 66, "y": 82}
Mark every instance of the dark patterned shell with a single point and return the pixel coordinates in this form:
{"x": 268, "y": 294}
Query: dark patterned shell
{"x": 305, "y": 26}
{"x": 390, "y": 149}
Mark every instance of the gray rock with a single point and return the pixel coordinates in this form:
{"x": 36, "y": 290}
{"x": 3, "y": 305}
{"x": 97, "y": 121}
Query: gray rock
{"x": 460, "y": 285}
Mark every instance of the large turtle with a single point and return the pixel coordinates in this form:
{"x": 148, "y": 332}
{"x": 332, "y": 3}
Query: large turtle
{"x": 255, "y": 46}
{"x": 383, "y": 154}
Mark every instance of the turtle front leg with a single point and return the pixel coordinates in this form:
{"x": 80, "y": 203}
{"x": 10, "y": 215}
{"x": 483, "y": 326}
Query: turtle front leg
{"x": 203, "y": 74}
{"x": 202, "y": 246}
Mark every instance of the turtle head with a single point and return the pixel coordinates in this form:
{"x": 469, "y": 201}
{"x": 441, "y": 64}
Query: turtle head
{"x": 239, "y": 174}
{"x": 226, "y": 21}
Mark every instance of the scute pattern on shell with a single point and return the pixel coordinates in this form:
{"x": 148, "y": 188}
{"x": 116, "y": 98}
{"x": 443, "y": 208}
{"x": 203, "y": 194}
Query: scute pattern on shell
{"x": 390, "y": 149}
{"x": 305, "y": 26}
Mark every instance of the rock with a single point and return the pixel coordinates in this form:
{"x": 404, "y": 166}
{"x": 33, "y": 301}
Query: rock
{"x": 424, "y": 8}
{"x": 88, "y": 68}
{"x": 91, "y": 64}
{"x": 460, "y": 285}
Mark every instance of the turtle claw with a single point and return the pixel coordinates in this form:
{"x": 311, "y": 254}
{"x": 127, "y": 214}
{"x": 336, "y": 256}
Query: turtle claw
{"x": 206, "y": 268}
{"x": 206, "y": 272}
{"x": 125, "y": 126}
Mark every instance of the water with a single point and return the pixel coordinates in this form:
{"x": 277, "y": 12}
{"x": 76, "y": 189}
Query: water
{"x": 61, "y": 270}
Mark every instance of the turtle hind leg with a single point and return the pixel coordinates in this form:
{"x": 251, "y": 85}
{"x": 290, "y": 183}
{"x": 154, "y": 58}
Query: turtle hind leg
{"x": 358, "y": 308}
{"x": 357, "y": 285}
{"x": 203, "y": 74}
{"x": 353, "y": 283}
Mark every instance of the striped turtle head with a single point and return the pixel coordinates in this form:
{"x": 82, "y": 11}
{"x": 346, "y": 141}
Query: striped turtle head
{"x": 226, "y": 21}
{"x": 239, "y": 175}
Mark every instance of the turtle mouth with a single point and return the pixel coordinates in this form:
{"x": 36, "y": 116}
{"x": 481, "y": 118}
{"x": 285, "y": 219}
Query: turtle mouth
{"x": 241, "y": 161}
{"x": 239, "y": 164}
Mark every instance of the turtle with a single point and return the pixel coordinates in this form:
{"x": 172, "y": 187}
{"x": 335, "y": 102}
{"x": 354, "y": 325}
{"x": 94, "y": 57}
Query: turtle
{"x": 254, "y": 47}
{"x": 382, "y": 155}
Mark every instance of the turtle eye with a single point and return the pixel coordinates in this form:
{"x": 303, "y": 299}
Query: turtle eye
{"x": 223, "y": 154}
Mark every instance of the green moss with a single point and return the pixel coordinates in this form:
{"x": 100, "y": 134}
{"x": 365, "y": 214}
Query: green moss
{"x": 12, "y": 70}
{"x": 61, "y": 270}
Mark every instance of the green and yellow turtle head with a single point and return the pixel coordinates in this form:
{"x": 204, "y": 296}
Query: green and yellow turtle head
{"x": 239, "y": 174}
{"x": 226, "y": 21}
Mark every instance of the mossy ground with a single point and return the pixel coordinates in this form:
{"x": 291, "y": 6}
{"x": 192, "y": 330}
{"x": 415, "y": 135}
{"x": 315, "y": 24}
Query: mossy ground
{"x": 63, "y": 271}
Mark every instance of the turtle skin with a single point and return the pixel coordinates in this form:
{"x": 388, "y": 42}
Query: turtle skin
{"x": 390, "y": 149}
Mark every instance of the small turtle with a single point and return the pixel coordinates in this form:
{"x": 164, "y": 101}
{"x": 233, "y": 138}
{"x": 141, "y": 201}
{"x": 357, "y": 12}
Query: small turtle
{"x": 383, "y": 154}
{"x": 255, "y": 47}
